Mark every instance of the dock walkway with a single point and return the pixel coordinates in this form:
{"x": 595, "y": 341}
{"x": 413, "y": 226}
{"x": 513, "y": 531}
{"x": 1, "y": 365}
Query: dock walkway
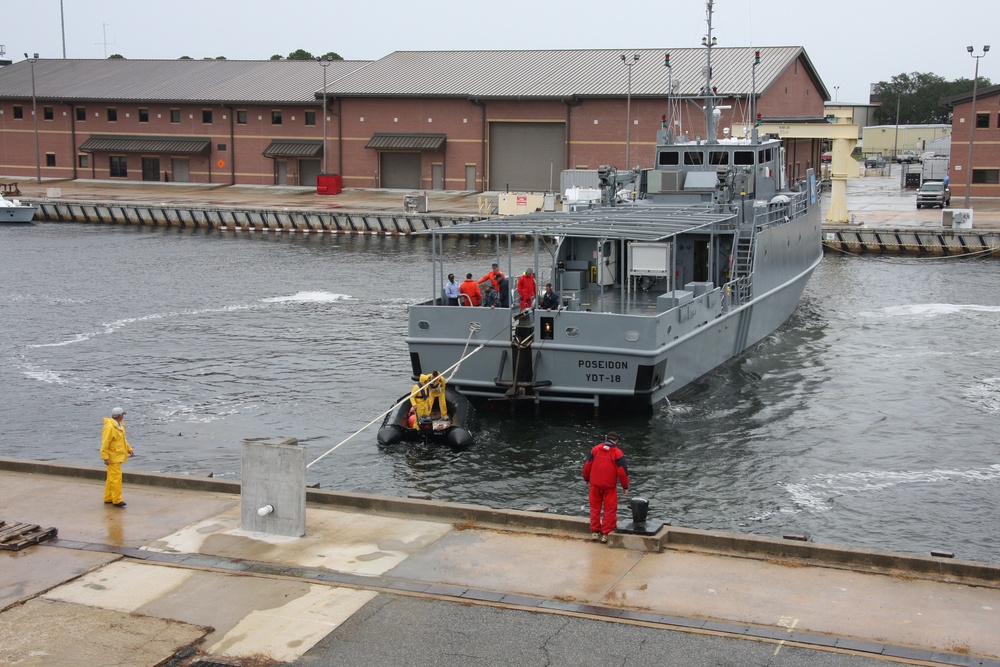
{"x": 171, "y": 579}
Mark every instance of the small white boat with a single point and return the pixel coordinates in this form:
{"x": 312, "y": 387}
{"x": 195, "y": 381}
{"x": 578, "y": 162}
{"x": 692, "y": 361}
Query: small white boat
{"x": 12, "y": 210}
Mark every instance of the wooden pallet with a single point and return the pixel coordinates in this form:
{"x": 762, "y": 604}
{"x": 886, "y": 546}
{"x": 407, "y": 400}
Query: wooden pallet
{"x": 15, "y": 536}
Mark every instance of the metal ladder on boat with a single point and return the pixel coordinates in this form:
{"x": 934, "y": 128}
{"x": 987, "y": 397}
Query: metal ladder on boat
{"x": 745, "y": 246}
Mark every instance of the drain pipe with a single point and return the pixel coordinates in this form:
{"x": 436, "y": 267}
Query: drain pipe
{"x": 482, "y": 142}
{"x": 570, "y": 103}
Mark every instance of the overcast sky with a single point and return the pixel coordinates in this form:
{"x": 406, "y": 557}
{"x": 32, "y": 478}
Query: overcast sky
{"x": 852, "y": 43}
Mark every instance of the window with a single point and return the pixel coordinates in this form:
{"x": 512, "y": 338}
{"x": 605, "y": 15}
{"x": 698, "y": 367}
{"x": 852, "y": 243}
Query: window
{"x": 112, "y": 114}
{"x": 206, "y": 116}
{"x": 743, "y": 157}
{"x": 765, "y": 155}
{"x": 18, "y": 111}
{"x": 669, "y": 158}
{"x": 48, "y": 113}
{"x": 220, "y": 147}
{"x": 694, "y": 157}
{"x": 275, "y": 118}
{"x": 50, "y": 159}
{"x": 310, "y": 118}
{"x": 119, "y": 166}
{"x": 143, "y": 115}
{"x": 81, "y": 113}
{"x": 83, "y": 160}
{"x": 986, "y": 176}
{"x": 718, "y": 157}
{"x": 982, "y": 120}
{"x": 241, "y": 117}
{"x": 175, "y": 115}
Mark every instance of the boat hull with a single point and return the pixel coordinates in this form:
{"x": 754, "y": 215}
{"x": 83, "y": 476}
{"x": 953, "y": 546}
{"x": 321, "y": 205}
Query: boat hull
{"x": 454, "y": 432}
{"x": 636, "y": 359}
{"x": 17, "y": 214}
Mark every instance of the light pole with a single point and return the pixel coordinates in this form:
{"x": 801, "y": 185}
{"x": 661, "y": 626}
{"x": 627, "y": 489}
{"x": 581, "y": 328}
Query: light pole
{"x": 972, "y": 125}
{"x": 628, "y": 109}
{"x": 836, "y": 94}
{"x": 324, "y": 64}
{"x": 34, "y": 116}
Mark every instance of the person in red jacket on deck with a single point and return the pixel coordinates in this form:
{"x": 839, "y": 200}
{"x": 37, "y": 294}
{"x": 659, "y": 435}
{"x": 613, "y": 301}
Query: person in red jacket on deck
{"x": 604, "y": 468}
{"x": 527, "y": 288}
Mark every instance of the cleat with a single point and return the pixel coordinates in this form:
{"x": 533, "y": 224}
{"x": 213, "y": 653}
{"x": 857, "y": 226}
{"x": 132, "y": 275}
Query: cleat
{"x": 604, "y": 539}
{"x": 595, "y": 536}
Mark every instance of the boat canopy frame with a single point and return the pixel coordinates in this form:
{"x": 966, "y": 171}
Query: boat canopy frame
{"x": 644, "y": 223}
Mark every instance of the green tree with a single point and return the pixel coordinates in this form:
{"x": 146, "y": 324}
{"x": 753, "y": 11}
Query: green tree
{"x": 917, "y": 96}
{"x": 331, "y": 55}
{"x": 116, "y": 56}
{"x": 300, "y": 54}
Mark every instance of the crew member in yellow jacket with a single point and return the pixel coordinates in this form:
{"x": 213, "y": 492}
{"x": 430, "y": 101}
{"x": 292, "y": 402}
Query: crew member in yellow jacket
{"x": 115, "y": 451}
{"x": 430, "y": 388}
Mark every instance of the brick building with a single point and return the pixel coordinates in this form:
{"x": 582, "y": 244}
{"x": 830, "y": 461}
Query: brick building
{"x": 457, "y": 120}
{"x": 985, "y": 147}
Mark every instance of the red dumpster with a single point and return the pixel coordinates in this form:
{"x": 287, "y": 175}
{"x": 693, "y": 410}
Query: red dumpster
{"x": 329, "y": 184}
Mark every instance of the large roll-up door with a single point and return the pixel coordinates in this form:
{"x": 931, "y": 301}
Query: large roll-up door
{"x": 400, "y": 170}
{"x": 527, "y": 156}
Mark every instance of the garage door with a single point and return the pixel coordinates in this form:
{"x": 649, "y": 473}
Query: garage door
{"x": 527, "y": 156}
{"x": 400, "y": 170}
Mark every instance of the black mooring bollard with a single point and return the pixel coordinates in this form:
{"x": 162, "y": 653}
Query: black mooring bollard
{"x": 640, "y": 508}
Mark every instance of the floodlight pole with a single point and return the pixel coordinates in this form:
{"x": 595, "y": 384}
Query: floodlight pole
{"x": 324, "y": 64}
{"x": 628, "y": 109}
{"x": 34, "y": 117}
{"x": 972, "y": 125}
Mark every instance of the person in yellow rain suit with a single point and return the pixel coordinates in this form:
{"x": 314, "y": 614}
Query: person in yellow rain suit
{"x": 115, "y": 450}
{"x": 420, "y": 398}
{"x": 429, "y": 389}
{"x": 437, "y": 393}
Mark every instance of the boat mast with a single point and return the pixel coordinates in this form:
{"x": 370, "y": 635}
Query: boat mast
{"x": 708, "y": 41}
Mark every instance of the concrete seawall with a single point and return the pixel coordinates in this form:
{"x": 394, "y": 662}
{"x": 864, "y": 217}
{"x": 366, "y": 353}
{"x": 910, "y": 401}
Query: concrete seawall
{"x": 671, "y": 537}
{"x": 911, "y": 241}
{"x": 836, "y": 238}
{"x": 249, "y": 219}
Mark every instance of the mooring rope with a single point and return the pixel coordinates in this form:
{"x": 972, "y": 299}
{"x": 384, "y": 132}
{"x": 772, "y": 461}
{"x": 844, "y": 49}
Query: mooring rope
{"x": 473, "y": 328}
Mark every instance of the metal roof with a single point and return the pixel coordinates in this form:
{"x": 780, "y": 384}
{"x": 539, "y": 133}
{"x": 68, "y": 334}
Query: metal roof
{"x": 389, "y": 141}
{"x": 555, "y": 74}
{"x": 627, "y": 222}
{"x": 985, "y": 91}
{"x": 293, "y": 148}
{"x": 123, "y": 143}
{"x": 566, "y": 73}
{"x": 221, "y": 81}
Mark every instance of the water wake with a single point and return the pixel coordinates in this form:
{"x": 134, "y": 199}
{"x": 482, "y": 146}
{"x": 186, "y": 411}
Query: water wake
{"x": 817, "y": 494}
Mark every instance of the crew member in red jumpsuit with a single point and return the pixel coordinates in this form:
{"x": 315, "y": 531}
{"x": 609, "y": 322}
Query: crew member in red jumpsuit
{"x": 604, "y": 468}
{"x": 468, "y": 292}
{"x": 527, "y": 288}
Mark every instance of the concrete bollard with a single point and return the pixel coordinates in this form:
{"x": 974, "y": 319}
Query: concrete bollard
{"x": 273, "y": 487}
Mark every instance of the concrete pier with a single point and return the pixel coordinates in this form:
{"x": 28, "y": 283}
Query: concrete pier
{"x": 376, "y": 580}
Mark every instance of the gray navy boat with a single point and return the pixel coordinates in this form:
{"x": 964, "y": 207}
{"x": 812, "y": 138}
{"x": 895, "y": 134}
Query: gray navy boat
{"x": 710, "y": 257}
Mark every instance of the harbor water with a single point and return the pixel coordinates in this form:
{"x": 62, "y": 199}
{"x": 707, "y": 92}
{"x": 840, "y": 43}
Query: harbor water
{"x": 869, "y": 420}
